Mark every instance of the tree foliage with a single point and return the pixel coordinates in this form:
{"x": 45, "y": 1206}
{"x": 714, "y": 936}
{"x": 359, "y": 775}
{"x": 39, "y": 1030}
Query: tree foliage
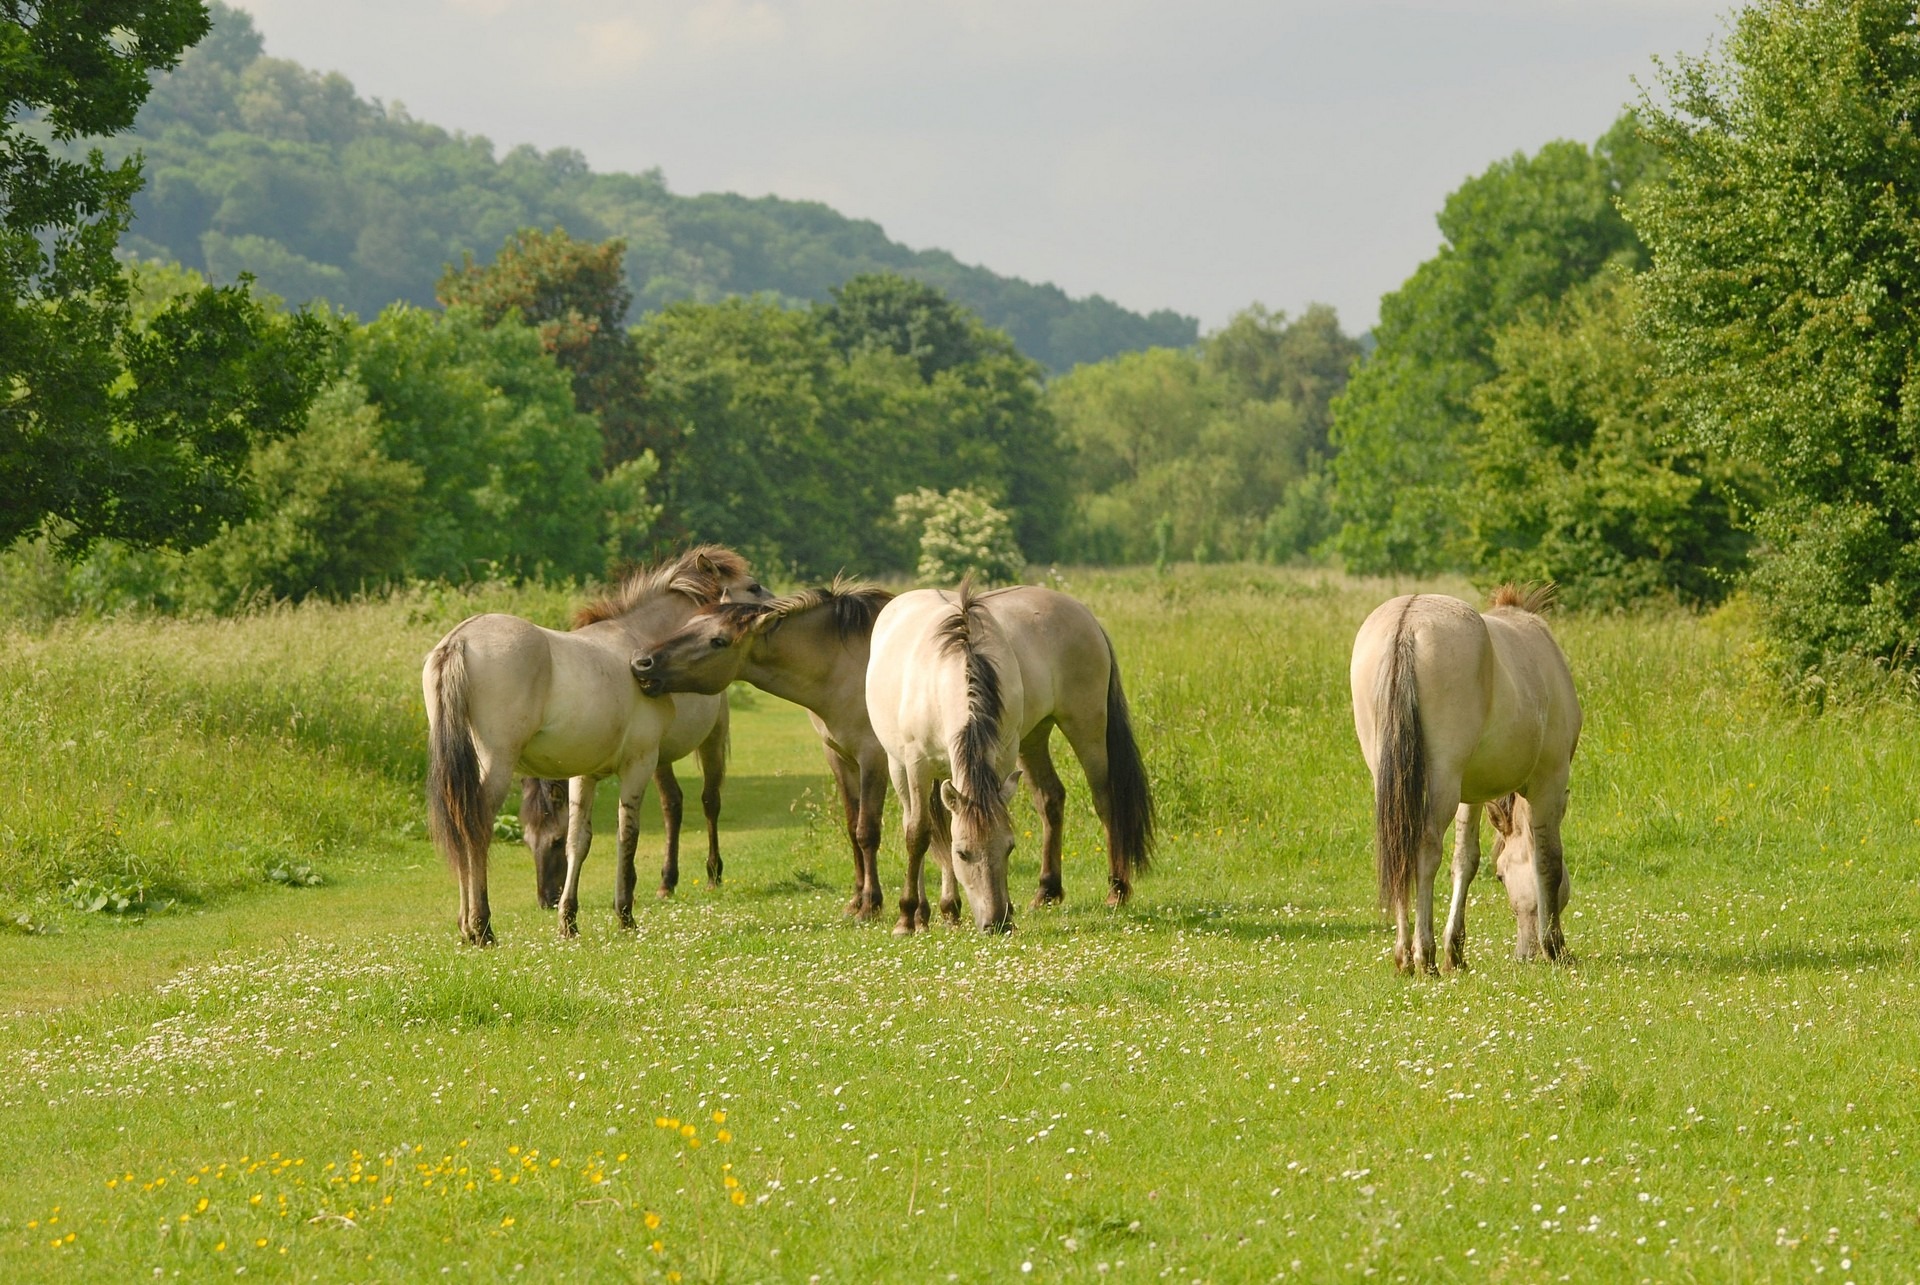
{"x": 959, "y": 533}
{"x": 575, "y": 295}
{"x": 1786, "y": 269}
{"x": 261, "y": 165}
{"x": 1524, "y": 232}
{"x": 1579, "y": 474}
{"x": 106, "y": 429}
{"x": 1189, "y": 453}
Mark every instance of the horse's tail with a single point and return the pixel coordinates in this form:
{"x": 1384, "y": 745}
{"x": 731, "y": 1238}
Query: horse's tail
{"x": 1400, "y": 781}
{"x": 1131, "y": 798}
{"x": 456, "y": 811}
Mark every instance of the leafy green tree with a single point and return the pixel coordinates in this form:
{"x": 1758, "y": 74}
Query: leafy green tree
{"x": 575, "y": 295}
{"x": 1524, "y": 232}
{"x": 338, "y": 515}
{"x": 959, "y": 534}
{"x": 106, "y": 430}
{"x": 1304, "y": 362}
{"x": 1786, "y": 265}
{"x": 507, "y": 464}
{"x": 1581, "y": 475}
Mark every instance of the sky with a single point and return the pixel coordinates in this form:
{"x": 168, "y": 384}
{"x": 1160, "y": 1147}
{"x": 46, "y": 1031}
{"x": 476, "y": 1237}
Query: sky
{"x": 1199, "y": 155}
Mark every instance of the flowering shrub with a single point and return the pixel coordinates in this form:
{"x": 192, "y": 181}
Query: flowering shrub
{"x": 960, "y": 532}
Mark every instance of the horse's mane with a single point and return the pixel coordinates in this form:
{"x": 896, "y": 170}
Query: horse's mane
{"x": 701, "y": 573}
{"x": 855, "y": 605}
{"x": 1535, "y": 599}
{"x": 977, "y": 780}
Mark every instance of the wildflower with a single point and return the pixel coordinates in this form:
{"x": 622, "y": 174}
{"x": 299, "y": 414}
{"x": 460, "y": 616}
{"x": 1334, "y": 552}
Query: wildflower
{"x": 221, "y": 1248}
{"x": 723, "y": 1136}
{"x": 657, "y": 1247}
{"x": 201, "y": 1208}
{"x": 261, "y": 1243}
{"x": 719, "y": 1117}
{"x": 738, "y": 1196}
{"x": 652, "y": 1220}
{"x": 687, "y": 1131}
{"x": 507, "y": 1221}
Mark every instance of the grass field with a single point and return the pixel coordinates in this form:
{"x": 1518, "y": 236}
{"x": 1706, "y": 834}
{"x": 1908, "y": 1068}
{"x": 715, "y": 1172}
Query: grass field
{"x": 1224, "y": 1082}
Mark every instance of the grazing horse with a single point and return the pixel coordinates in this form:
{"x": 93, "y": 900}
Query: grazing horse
{"x": 810, "y": 648}
{"x": 505, "y": 695}
{"x": 1454, "y": 710}
{"x": 960, "y": 687}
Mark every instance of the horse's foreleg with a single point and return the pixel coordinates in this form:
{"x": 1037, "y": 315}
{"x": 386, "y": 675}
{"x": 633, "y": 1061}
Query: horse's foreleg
{"x": 1547, "y": 806}
{"x": 1090, "y": 747}
{"x": 1466, "y": 863}
{"x": 1050, "y": 800}
{"x": 672, "y": 808}
{"x": 713, "y": 774}
{"x": 580, "y": 791}
{"x": 873, "y": 806}
{"x": 943, "y": 857}
{"x": 917, "y": 829}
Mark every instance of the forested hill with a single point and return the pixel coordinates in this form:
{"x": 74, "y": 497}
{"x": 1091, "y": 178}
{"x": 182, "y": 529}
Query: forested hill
{"x": 256, "y": 164}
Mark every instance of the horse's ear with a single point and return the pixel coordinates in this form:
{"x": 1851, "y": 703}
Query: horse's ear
{"x": 949, "y": 796}
{"x": 1007, "y": 787}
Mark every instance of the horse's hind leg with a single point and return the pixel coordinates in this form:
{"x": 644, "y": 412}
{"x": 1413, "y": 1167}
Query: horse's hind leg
{"x": 1050, "y": 800}
{"x": 873, "y": 805}
{"x": 1466, "y": 863}
{"x": 633, "y": 789}
{"x": 845, "y": 784}
{"x": 943, "y": 857}
{"x": 672, "y": 808}
{"x": 476, "y": 917}
{"x": 1444, "y": 803}
{"x": 1089, "y": 740}
{"x": 580, "y": 791}
{"x": 713, "y": 774}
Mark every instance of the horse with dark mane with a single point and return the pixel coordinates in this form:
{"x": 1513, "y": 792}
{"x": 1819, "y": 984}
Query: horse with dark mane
{"x": 1458, "y": 710}
{"x": 505, "y": 695}
{"x": 961, "y": 688}
{"x": 810, "y": 648}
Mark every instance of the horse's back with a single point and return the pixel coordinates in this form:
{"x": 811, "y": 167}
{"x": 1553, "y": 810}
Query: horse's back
{"x": 1536, "y": 706}
{"x": 1452, "y": 671}
{"x": 1062, "y": 652}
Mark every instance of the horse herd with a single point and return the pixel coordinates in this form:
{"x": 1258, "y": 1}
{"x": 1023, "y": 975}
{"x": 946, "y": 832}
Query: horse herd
{"x": 953, "y": 697}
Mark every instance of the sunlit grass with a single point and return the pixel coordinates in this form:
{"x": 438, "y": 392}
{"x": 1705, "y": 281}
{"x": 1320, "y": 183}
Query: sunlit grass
{"x": 1225, "y": 1081}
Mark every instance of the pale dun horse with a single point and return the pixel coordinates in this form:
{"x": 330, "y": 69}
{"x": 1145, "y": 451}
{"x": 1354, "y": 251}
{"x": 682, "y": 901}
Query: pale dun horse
{"x": 962, "y": 686}
{"x": 1456, "y": 711}
{"x": 505, "y": 695}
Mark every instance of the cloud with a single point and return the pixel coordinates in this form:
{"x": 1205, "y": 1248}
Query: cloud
{"x": 615, "y": 46}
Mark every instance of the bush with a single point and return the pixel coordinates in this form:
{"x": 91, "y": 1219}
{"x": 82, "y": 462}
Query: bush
{"x": 961, "y": 534}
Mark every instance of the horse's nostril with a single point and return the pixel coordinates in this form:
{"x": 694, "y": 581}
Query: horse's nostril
{"x": 643, "y": 663}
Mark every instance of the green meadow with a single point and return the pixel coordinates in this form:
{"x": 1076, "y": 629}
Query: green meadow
{"x": 228, "y": 1068}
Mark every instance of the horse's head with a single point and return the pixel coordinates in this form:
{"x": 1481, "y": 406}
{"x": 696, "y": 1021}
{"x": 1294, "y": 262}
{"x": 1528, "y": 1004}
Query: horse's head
{"x": 982, "y": 843}
{"x": 543, "y": 824}
{"x": 704, "y": 656}
{"x": 1513, "y": 865}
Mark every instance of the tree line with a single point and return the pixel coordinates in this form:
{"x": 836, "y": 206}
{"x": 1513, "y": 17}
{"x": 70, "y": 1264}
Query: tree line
{"x": 1672, "y": 365}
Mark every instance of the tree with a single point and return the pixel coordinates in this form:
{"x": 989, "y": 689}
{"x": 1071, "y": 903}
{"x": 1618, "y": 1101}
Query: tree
{"x": 1581, "y": 475}
{"x": 1786, "y": 269}
{"x": 959, "y": 533}
{"x": 1305, "y": 362}
{"x": 1525, "y": 231}
{"x": 141, "y": 435}
{"x": 575, "y": 296}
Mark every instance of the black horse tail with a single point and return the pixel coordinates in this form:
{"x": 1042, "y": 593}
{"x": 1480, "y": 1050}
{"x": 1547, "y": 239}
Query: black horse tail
{"x": 456, "y": 811}
{"x": 1400, "y": 802}
{"x": 1132, "y": 798}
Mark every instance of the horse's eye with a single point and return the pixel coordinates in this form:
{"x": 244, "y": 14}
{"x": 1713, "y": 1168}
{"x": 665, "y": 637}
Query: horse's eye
{"x": 717, "y": 643}
{"x": 755, "y": 588}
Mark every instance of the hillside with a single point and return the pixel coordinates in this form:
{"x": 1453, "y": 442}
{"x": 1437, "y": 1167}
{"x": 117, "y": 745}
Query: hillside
{"x": 257, "y": 164}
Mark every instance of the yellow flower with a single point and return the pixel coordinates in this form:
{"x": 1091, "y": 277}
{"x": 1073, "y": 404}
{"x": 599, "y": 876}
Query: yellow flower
{"x": 261, "y": 1243}
{"x": 554, "y": 1163}
{"x": 687, "y": 1131}
{"x": 221, "y": 1248}
{"x": 693, "y": 1142}
{"x": 254, "y": 1200}
{"x": 719, "y": 1117}
{"x": 661, "y": 1122}
{"x": 652, "y": 1220}
{"x": 723, "y": 1136}
{"x": 621, "y": 1156}
{"x": 656, "y": 1247}
{"x": 739, "y": 1197}
{"x": 730, "y": 1182}
{"x": 201, "y": 1208}
{"x": 507, "y": 1221}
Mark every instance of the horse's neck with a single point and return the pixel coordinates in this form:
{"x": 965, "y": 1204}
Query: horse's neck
{"x": 804, "y": 661}
{"x": 653, "y": 621}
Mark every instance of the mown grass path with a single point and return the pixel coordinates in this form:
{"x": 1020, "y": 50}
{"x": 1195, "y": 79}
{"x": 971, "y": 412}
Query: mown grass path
{"x": 1224, "y": 1082}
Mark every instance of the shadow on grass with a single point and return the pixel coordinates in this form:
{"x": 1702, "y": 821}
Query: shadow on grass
{"x": 1768, "y": 960}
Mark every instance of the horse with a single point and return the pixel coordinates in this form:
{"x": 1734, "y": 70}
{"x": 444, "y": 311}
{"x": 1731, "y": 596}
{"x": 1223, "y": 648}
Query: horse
{"x": 1455, "y": 709}
{"x": 505, "y": 695}
{"x": 963, "y": 686}
{"x": 810, "y": 648}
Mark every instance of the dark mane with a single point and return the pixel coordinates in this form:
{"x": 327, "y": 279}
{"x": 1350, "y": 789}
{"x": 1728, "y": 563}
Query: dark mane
{"x": 700, "y": 574}
{"x": 1535, "y": 599}
{"x": 975, "y": 777}
{"x": 855, "y": 605}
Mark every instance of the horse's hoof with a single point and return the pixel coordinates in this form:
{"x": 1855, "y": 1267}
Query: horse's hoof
{"x": 1046, "y": 897}
{"x": 865, "y": 914}
{"x": 663, "y": 893}
{"x": 626, "y": 922}
{"x": 854, "y": 907}
{"x": 1118, "y": 897}
{"x": 904, "y": 928}
{"x": 568, "y": 930}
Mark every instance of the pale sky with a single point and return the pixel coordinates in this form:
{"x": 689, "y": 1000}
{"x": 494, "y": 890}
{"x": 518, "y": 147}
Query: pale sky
{"x": 1197, "y": 155}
